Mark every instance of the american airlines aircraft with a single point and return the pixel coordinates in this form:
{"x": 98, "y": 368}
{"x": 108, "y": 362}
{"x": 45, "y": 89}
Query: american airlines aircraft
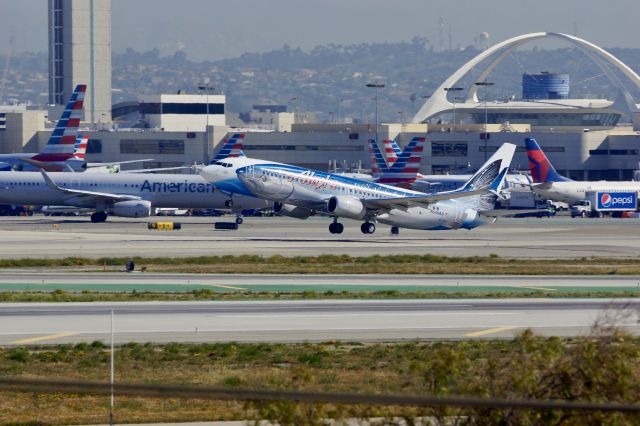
{"x": 550, "y": 184}
{"x": 122, "y": 194}
{"x": 126, "y": 195}
{"x": 59, "y": 148}
{"x": 300, "y": 192}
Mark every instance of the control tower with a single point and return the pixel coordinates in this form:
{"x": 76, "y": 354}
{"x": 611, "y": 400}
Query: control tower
{"x": 80, "y": 52}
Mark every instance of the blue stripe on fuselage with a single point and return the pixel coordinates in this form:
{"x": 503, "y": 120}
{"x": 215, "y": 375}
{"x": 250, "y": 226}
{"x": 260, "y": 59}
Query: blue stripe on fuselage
{"x": 308, "y": 173}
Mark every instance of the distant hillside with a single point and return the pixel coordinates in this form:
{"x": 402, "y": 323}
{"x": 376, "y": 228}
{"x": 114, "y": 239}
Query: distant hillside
{"x": 324, "y": 79}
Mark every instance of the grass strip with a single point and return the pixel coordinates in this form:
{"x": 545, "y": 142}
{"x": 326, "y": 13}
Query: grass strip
{"x": 344, "y": 264}
{"x": 60, "y": 295}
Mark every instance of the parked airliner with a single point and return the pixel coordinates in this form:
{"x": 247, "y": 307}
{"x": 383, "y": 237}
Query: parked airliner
{"x": 60, "y": 146}
{"x": 121, "y": 194}
{"x": 550, "y": 184}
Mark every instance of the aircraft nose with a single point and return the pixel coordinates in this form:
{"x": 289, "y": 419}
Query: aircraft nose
{"x": 209, "y": 173}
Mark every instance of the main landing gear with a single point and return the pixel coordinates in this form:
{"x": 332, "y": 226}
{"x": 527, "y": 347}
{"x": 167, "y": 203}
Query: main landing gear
{"x": 368, "y": 228}
{"x": 395, "y": 230}
{"x": 336, "y": 227}
{"x": 99, "y": 217}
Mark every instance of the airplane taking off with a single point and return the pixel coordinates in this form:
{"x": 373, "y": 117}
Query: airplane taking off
{"x": 300, "y": 192}
{"x": 59, "y": 148}
{"x": 550, "y": 184}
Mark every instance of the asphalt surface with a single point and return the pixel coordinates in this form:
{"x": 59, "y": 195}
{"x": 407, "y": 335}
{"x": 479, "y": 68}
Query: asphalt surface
{"x": 559, "y": 237}
{"x": 174, "y": 282}
{"x": 297, "y": 321}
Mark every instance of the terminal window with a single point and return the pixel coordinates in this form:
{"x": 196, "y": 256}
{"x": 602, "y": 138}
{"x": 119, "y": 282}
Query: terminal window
{"x": 449, "y": 149}
{"x": 94, "y": 146}
{"x": 133, "y": 146}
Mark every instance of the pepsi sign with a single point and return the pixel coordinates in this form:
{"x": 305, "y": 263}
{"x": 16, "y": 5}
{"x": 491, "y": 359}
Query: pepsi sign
{"x": 618, "y": 200}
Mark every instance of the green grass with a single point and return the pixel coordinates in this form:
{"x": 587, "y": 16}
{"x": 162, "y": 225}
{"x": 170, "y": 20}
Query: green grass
{"x": 344, "y": 264}
{"x": 60, "y": 295}
{"x": 603, "y": 367}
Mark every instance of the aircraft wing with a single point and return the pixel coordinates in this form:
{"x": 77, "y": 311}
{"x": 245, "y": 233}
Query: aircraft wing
{"x": 160, "y": 169}
{"x": 118, "y": 162}
{"x": 404, "y": 202}
{"x": 89, "y": 194}
{"x": 512, "y": 212}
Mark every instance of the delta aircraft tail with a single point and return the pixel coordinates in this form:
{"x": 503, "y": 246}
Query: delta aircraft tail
{"x": 230, "y": 148}
{"x": 541, "y": 168}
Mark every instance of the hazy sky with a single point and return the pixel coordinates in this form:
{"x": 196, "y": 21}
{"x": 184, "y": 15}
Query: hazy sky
{"x": 214, "y": 29}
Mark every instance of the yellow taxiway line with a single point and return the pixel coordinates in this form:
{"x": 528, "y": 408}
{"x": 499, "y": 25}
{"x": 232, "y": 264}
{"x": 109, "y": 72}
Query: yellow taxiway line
{"x": 42, "y": 338}
{"x": 488, "y": 331}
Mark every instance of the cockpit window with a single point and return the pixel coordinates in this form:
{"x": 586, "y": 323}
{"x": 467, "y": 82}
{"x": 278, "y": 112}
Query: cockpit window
{"x": 220, "y": 163}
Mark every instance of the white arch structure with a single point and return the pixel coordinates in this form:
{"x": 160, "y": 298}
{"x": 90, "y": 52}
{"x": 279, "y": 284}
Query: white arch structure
{"x": 438, "y": 101}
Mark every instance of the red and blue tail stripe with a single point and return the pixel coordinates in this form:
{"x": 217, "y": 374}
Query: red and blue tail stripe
{"x": 63, "y": 139}
{"x": 230, "y": 148}
{"x": 541, "y": 168}
{"x": 405, "y": 169}
{"x": 378, "y": 163}
{"x": 391, "y": 151}
{"x": 80, "y": 148}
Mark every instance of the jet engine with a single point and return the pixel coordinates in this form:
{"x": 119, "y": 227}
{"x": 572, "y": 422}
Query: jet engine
{"x": 343, "y": 206}
{"x": 291, "y": 211}
{"x": 134, "y": 208}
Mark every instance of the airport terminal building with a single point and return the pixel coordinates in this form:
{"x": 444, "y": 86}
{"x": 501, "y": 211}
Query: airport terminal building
{"x": 586, "y": 139}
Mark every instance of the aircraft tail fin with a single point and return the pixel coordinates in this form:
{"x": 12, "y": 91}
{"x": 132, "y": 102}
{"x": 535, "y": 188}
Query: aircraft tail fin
{"x": 60, "y": 146}
{"x": 491, "y": 176}
{"x": 378, "y": 164}
{"x": 405, "y": 169}
{"x": 230, "y": 148}
{"x": 391, "y": 151}
{"x": 80, "y": 148}
{"x": 541, "y": 168}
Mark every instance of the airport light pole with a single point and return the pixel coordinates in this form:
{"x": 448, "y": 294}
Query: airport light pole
{"x": 485, "y": 84}
{"x": 453, "y": 89}
{"x": 376, "y": 86}
{"x": 206, "y": 88}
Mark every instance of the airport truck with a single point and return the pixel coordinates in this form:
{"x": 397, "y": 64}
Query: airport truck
{"x": 601, "y": 203}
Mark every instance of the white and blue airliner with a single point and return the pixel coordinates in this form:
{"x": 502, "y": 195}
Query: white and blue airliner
{"x": 299, "y": 192}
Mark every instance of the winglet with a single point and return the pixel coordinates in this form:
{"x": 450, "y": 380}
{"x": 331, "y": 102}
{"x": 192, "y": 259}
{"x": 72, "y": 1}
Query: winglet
{"x": 50, "y": 183}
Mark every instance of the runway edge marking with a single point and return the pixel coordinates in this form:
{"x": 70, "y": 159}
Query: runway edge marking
{"x": 43, "y": 338}
{"x": 489, "y": 331}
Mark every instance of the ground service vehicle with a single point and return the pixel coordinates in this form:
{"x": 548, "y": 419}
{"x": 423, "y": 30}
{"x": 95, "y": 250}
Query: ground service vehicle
{"x": 600, "y": 203}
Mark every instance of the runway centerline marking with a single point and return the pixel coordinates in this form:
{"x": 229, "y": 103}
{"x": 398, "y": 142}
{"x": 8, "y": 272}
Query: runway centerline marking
{"x": 489, "y": 331}
{"x": 537, "y": 288}
{"x": 43, "y": 338}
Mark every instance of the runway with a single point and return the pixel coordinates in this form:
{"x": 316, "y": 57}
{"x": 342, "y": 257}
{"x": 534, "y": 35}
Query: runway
{"x": 550, "y": 238}
{"x": 297, "y": 321}
{"x": 173, "y": 282}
